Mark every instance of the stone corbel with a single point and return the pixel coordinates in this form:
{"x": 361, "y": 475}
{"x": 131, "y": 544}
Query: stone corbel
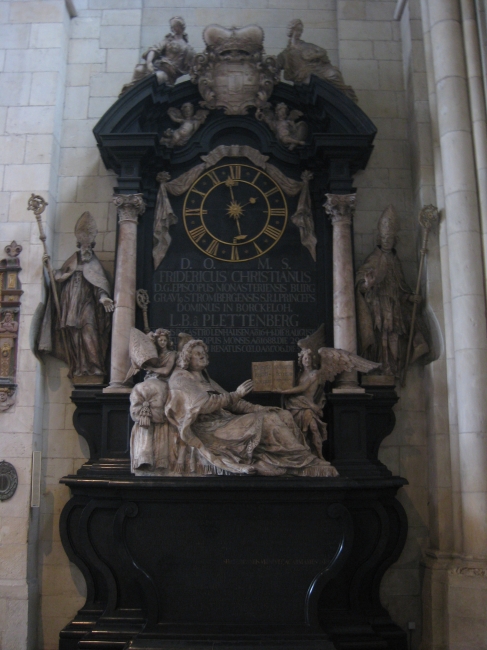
{"x": 10, "y": 292}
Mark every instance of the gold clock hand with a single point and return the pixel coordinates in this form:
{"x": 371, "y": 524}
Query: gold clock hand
{"x": 250, "y": 201}
{"x": 230, "y": 183}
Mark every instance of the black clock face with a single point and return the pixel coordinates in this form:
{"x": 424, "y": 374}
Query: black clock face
{"x": 235, "y": 213}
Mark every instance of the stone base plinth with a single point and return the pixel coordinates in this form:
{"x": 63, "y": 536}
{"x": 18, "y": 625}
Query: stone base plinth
{"x": 227, "y": 562}
{"x": 89, "y": 380}
{"x": 455, "y": 602}
{"x": 379, "y": 380}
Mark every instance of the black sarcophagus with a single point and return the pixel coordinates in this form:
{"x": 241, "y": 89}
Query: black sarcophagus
{"x": 235, "y": 561}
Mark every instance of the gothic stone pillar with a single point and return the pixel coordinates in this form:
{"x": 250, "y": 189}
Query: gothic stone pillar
{"x": 129, "y": 207}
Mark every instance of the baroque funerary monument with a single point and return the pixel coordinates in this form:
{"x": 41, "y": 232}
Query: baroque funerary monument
{"x": 293, "y": 191}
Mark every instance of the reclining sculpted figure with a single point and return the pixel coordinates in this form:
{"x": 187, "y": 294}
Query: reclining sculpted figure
{"x": 211, "y": 431}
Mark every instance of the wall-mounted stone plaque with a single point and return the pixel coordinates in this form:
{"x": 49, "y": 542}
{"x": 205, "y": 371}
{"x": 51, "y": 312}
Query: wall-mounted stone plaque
{"x": 8, "y": 480}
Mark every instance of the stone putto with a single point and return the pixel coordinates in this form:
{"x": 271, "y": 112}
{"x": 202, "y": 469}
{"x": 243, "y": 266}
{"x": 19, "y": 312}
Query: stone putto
{"x": 190, "y": 122}
{"x": 283, "y": 124}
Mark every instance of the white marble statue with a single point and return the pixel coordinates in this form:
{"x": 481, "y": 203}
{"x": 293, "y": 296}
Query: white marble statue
{"x": 150, "y": 440}
{"x": 225, "y": 434}
{"x": 169, "y": 60}
{"x": 385, "y": 304}
{"x": 86, "y": 307}
{"x": 318, "y": 365}
{"x": 301, "y": 59}
{"x": 189, "y": 425}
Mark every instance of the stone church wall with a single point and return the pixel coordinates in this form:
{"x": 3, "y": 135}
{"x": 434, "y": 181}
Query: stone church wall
{"x": 60, "y": 75}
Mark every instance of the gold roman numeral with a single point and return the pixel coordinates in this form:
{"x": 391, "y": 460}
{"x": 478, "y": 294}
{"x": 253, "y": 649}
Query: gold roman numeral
{"x": 198, "y": 192}
{"x": 277, "y": 212}
{"x": 214, "y": 177}
{"x": 235, "y": 256}
{"x": 255, "y": 178}
{"x": 197, "y": 233}
{"x": 212, "y": 248}
{"x": 270, "y": 192}
{"x": 272, "y": 232}
{"x": 194, "y": 212}
{"x": 235, "y": 172}
{"x": 259, "y": 250}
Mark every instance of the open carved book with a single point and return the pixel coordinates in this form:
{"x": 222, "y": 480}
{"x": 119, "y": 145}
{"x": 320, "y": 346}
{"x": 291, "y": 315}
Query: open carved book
{"x": 272, "y": 375}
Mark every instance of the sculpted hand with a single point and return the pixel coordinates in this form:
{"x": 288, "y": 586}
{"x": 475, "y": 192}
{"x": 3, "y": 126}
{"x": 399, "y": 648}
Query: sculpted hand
{"x": 245, "y": 388}
{"x": 45, "y": 259}
{"x": 369, "y": 279}
{"x": 107, "y": 303}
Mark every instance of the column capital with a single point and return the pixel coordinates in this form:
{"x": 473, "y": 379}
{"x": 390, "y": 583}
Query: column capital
{"x": 129, "y": 206}
{"x": 340, "y": 207}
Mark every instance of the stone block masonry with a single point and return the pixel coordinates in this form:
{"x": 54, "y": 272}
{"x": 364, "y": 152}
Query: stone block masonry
{"x": 59, "y": 76}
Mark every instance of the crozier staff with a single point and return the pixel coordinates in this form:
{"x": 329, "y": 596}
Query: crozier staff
{"x": 385, "y": 304}
{"x": 85, "y": 307}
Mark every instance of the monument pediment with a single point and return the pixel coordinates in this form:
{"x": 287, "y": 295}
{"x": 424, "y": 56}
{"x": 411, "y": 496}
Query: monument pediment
{"x": 336, "y": 124}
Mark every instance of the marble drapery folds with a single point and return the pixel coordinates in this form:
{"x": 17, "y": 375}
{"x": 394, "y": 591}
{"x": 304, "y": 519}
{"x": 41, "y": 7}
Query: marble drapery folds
{"x": 385, "y": 304}
{"x": 228, "y": 435}
{"x": 85, "y": 310}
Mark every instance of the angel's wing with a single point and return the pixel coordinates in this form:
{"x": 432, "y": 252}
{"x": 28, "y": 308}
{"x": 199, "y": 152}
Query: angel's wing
{"x": 295, "y": 114}
{"x": 314, "y": 341}
{"x": 201, "y": 115}
{"x": 141, "y": 348}
{"x": 175, "y": 114}
{"x": 334, "y": 361}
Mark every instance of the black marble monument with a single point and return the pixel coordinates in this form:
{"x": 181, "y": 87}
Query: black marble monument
{"x": 235, "y": 562}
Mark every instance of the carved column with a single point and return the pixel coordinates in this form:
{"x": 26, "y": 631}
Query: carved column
{"x": 340, "y": 207}
{"x": 129, "y": 207}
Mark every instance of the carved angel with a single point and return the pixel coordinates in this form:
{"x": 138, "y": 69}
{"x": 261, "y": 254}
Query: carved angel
{"x": 6, "y": 399}
{"x": 317, "y": 366}
{"x": 289, "y": 132}
{"x": 190, "y": 123}
{"x": 153, "y": 445}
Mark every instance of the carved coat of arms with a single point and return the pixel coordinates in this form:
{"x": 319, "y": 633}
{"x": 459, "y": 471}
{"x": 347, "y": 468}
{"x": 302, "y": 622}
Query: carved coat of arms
{"x": 233, "y": 73}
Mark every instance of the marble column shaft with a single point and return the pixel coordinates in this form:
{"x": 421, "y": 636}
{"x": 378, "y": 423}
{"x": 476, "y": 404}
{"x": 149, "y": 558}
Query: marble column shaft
{"x": 340, "y": 208}
{"x": 465, "y": 267}
{"x": 129, "y": 207}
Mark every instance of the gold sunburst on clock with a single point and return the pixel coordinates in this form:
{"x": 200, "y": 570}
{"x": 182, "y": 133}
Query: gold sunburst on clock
{"x": 235, "y": 213}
